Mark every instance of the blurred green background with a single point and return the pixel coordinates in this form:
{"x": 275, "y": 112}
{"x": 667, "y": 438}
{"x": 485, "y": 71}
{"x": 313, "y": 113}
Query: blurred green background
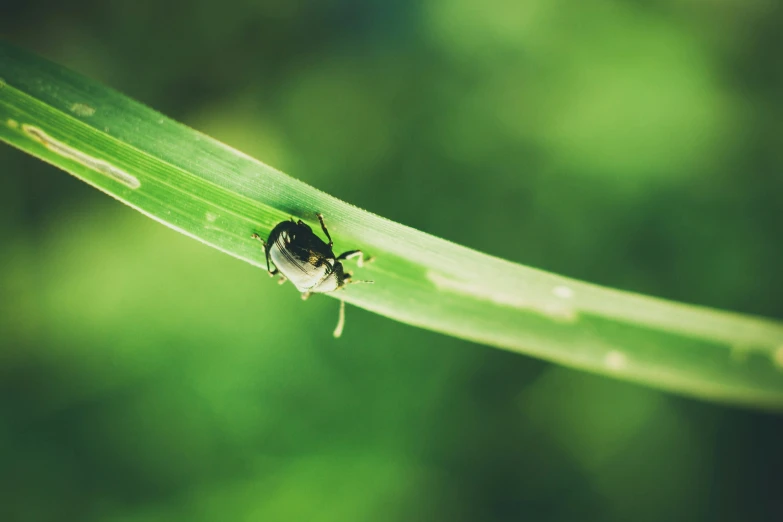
{"x": 639, "y": 144}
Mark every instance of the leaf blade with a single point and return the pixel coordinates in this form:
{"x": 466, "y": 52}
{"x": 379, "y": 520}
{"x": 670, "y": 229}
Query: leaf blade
{"x": 220, "y": 196}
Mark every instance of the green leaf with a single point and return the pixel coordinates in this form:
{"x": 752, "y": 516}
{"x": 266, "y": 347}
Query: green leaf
{"x": 220, "y": 196}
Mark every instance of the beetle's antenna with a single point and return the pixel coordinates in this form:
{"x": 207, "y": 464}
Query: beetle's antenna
{"x": 340, "y": 320}
{"x": 353, "y": 282}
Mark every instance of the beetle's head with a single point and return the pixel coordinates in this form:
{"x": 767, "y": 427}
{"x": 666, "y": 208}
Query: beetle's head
{"x": 336, "y": 278}
{"x": 339, "y": 274}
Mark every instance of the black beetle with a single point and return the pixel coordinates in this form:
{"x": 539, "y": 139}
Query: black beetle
{"x": 303, "y": 258}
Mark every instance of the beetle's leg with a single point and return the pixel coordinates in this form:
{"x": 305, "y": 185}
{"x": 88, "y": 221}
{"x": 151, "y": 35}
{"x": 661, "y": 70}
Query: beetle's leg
{"x": 282, "y": 279}
{"x": 355, "y": 253}
{"x": 256, "y": 236}
{"x": 323, "y": 227}
{"x": 266, "y": 251}
{"x": 269, "y": 270}
{"x": 338, "y": 331}
{"x": 305, "y": 295}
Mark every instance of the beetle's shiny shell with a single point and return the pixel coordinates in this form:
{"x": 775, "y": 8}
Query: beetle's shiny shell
{"x": 304, "y": 258}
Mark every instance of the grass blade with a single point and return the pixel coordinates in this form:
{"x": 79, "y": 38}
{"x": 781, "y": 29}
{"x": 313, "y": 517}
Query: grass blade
{"x": 220, "y": 196}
